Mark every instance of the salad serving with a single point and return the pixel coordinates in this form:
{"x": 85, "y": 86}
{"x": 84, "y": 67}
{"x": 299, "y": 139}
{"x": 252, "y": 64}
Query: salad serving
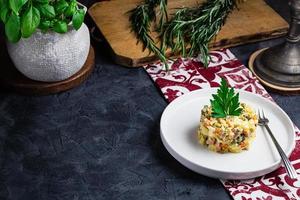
{"x": 227, "y": 125}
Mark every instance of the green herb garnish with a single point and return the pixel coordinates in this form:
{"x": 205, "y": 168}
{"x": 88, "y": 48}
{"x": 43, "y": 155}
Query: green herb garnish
{"x": 225, "y": 102}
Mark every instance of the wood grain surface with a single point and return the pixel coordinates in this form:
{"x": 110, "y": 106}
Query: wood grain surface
{"x": 13, "y": 80}
{"x": 253, "y": 21}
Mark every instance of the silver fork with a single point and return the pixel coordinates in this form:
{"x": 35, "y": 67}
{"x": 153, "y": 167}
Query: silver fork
{"x": 263, "y": 121}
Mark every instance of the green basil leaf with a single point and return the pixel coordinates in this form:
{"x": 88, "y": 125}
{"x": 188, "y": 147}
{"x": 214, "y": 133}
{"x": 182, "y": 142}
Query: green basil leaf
{"x": 61, "y": 6}
{"x": 3, "y": 3}
{"x": 41, "y": 1}
{"x": 16, "y": 5}
{"x": 71, "y": 9}
{"x": 12, "y": 28}
{"x": 78, "y": 18}
{"x": 60, "y": 27}
{"x": 45, "y": 25}
{"x": 47, "y": 11}
{"x": 30, "y": 21}
{"x": 4, "y": 12}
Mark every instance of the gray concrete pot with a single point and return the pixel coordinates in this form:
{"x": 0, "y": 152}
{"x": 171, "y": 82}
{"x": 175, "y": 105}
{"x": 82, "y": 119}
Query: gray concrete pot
{"x": 51, "y": 56}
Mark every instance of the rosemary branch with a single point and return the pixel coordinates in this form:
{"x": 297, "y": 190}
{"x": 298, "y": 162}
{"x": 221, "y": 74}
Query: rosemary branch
{"x": 189, "y": 27}
{"x": 141, "y": 18}
{"x": 196, "y": 27}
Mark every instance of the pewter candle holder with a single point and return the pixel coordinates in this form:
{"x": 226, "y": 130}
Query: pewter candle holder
{"x": 280, "y": 65}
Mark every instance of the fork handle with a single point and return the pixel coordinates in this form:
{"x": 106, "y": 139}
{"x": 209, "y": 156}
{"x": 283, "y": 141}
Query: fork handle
{"x": 288, "y": 165}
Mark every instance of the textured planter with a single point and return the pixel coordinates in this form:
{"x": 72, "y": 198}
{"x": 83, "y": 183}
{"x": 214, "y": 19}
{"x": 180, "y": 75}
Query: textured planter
{"x": 51, "y": 56}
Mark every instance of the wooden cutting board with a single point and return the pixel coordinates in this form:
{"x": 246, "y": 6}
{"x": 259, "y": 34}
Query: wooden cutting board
{"x": 253, "y": 21}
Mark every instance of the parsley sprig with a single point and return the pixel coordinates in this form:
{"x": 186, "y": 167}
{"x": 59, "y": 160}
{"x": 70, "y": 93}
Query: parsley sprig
{"x": 225, "y": 102}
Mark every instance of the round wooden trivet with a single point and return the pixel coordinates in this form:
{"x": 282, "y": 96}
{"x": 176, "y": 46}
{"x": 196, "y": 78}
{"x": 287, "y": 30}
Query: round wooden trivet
{"x": 12, "y": 79}
{"x": 270, "y": 86}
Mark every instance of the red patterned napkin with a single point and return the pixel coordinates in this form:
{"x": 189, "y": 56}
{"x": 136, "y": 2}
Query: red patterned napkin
{"x": 189, "y": 74}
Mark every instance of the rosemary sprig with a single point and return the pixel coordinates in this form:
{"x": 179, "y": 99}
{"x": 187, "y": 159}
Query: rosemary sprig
{"x": 189, "y": 27}
{"x": 141, "y": 18}
{"x": 163, "y": 14}
{"x": 196, "y": 27}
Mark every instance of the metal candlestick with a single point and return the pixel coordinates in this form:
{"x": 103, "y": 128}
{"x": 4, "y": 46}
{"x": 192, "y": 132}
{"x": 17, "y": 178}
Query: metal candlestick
{"x": 280, "y": 65}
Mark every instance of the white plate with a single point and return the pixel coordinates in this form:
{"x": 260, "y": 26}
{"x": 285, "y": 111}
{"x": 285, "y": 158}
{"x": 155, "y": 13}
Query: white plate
{"x": 179, "y": 123}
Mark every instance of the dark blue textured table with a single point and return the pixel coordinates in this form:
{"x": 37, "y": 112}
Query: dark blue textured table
{"x": 101, "y": 139}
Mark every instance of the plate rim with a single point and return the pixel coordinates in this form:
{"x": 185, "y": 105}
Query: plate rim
{"x": 215, "y": 173}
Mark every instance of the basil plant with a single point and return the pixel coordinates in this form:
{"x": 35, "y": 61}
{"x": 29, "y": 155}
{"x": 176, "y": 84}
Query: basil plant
{"x": 22, "y": 17}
